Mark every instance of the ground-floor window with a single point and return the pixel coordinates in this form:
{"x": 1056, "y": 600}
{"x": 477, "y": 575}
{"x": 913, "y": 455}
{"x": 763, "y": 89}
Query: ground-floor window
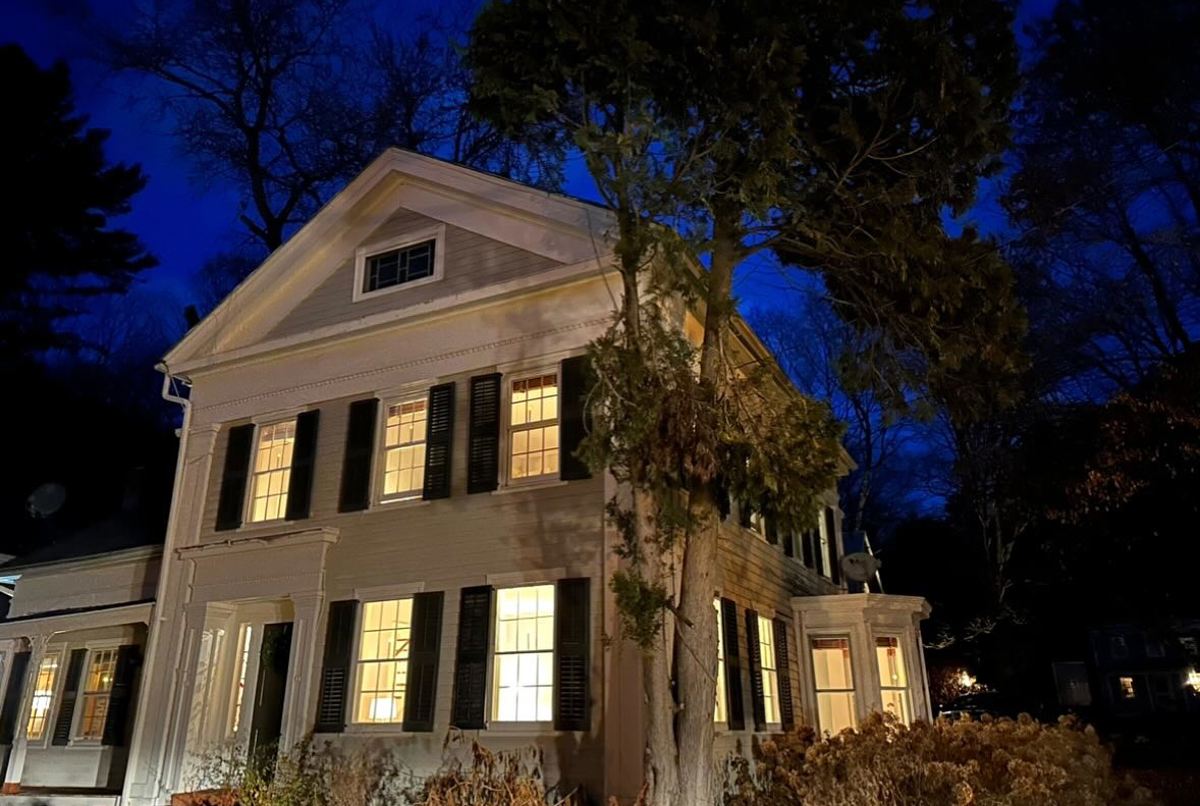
{"x": 893, "y": 678}
{"x": 834, "y": 677}
{"x": 43, "y": 695}
{"x": 97, "y": 688}
{"x": 720, "y": 714}
{"x": 770, "y": 670}
{"x": 382, "y": 673}
{"x": 242, "y": 661}
{"x": 523, "y": 668}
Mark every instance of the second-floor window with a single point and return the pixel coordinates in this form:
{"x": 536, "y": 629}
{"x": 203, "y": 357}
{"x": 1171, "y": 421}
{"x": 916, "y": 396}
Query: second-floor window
{"x": 272, "y": 471}
{"x": 404, "y": 449}
{"x": 825, "y": 547}
{"x": 533, "y": 427}
{"x": 399, "y": 266}
{"x": 102, "y": 668}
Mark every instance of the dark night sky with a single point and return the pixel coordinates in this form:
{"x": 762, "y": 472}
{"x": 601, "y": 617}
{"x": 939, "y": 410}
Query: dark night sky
{"x": 183, "y": 219}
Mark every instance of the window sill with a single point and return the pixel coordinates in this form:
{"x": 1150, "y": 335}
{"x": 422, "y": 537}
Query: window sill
{"x": 400, "y": 503}
{"x": 394, "y": 729}
{"x": 522, "y": 729}
{"x": 520, "y": 487}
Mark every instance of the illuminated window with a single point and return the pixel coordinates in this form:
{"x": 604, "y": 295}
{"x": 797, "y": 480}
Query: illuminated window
{"x": 272, "y": 471}
{"x": 404, "y": 449}
{"x": 533, "y": 427}
{"x": 719, "y": 713}
{"x": 102, "y": 667}
{"x": 43, "y": 695}
{"x": 834, "y": 679}
{"x": 758, "y": 523}
{"x": 245, "y": 639}
{"x": 770, "y": 670}
{"x": 1126, "y": 687}
{"x": 893, "y": 678}
{"x": 523, "y": 672}
{"x": 383, "y": 661}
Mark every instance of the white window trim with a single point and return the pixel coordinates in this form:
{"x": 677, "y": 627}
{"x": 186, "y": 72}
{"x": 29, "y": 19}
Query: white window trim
{"x": 507, "y": 380}
{"x": 720, "y": 725}
{"x": 518, "y": 728}
{"x": 248, "y": 503}
{"x": 378, "y": 458}
{"x": 437, "y": 234}
{"x": 773, "y": 726}
{"x": 377, "y": 594}
{"x": 855, "y": 673}
{"x": 56, "y": 695}
{"x": 77, "y": 718}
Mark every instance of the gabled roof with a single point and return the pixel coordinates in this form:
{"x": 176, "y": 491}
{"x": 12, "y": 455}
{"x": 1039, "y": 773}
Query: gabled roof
{"x": 560, "y": 227}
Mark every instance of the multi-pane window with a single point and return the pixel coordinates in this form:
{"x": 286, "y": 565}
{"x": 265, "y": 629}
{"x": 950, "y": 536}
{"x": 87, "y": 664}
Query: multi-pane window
{"x": 43, "y": 695}
{"x": 272, "y": 471}
{"x": 398, "y": 266}
{"x": 834, "y": 678}
{"x": 769, "y": 670}
{"x": 720, "y": 712}
{"x": 893, "y": 678}
{"x": 245, "y": 639}
{"x": 533, "y": 427}
{"x": 382, "y": 673}
{"x": 97, "y": 687}
{"x": 523, "y": 672}
{"x": 404, "y": 448}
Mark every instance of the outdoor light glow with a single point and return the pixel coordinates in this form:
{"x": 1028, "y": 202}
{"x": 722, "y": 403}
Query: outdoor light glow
{"x": 1193, "y": 679}
{"x": 966, "y": 680}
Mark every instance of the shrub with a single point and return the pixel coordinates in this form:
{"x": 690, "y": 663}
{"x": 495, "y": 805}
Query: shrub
{"x": 488, "y": 778}
{"x": 1001, "y": 762}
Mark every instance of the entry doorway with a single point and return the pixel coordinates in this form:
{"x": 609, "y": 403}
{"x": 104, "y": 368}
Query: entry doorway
{"x": 270, "y": 687}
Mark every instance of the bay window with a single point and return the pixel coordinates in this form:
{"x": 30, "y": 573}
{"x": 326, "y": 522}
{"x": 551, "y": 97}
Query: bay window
{"x": 523, "y": 667}
{"x": 834, "y": 678}
{"x": 893, "y": 678}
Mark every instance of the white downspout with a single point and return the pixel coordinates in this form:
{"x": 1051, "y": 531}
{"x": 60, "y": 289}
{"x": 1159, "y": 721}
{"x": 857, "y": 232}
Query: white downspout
{"x": 135, "y": 744}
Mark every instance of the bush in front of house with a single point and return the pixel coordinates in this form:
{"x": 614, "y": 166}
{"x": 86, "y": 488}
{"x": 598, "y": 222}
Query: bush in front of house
{"x": 1001, "y": 762}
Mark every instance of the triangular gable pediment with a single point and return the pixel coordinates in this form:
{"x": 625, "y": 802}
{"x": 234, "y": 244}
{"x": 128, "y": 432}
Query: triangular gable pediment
{"x": 494, "y": 230}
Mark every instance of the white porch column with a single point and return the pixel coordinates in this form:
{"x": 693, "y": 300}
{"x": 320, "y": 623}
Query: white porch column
{"x": 16, "y": 759}
{"x": 306, "y": 620}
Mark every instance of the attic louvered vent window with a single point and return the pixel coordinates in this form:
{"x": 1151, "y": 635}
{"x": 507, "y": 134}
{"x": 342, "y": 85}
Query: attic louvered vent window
{"x": 399, "y": 266}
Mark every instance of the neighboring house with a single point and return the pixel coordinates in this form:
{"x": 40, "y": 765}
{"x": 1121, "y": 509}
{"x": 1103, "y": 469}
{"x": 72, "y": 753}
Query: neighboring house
{"x": 71, "y": 648}
{"x": 380, "y": 530}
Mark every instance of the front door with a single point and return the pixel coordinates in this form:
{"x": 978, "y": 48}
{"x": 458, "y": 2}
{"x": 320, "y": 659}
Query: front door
{"x": 266, "y": 719}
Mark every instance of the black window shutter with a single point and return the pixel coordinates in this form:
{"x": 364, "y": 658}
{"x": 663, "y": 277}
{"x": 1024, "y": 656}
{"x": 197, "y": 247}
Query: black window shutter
{"x": 232, "y": 500}
{"x": 66, "y": 709}
{"x": 439, "y": 436}
{"x": 12, "y": 697}
{"x": 722, "y": 493}
{"x": 304, "y": 455}
{"x": 571, "y": 660}
{"x": 733, "y": 667}
{"x": 835, "y": 571}
{"x": 754, "y": 656}
{"x": 120, "y": 698}
{"x": 772, "y": 531}
{"x": 424, "y": 648}
{"x": 806, "y": 547}
{"x": 483, "y": 452}
{"x": 577, "y": 381}
{"x": 744, "y": 513}
{"x": 818, "y": 555}
{"x": 789, "y": 544}
{"x": 470, "y": 663}
{"x": 787, "y": 713}
{"x": 336, "y": 666}
{"x": 355, "y": 494}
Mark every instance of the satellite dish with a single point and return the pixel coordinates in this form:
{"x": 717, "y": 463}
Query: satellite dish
{"x": 860, "y": 566}
{"x": 46, "y": 500}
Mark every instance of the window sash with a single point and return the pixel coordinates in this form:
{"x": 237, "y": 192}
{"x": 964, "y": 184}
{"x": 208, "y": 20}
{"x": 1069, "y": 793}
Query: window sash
{"x": 893, "y": 677}
{"x": 272, "y": 471}
{"x": 825, "y": 547}
{"x": 394, "y": 267}
{"x": 533, "y": 427}
{"x": 381, "y": 661}
{"x": 721, "y": 709}
{"x": 44, "y": 689}
{"x": 834, "y": 685}
{"x": 404, "y": 431}
{"x": 769, "y": 670}
{"x": 523, "y": 654}
{"x": 241, "y": 669}
{"x": 101, "y": 670}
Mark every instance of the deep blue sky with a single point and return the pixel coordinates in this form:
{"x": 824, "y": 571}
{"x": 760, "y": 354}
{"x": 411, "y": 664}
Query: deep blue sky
{"x": 185, "y": 220}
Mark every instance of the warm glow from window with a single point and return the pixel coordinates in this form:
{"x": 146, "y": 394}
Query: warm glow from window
{"x": 770, "y": 670}
{"x": 43, "y": 695}
{"x": 523, "y": 687}
{"x": 404, "y": 449}
{"x": 102, "y": 668}
{"x": 245, "y": 638}
{"x": 272, "y": 471}
{"x": 1128, "y": 692}
{"x": 834, "y": 678}
{"x": 893, "y": 678}
{"x": 1193, "y": 679}
{"x": 719, "y": 713}
{"x": 383, "y": 661}
{"x": 533, "y": 424}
